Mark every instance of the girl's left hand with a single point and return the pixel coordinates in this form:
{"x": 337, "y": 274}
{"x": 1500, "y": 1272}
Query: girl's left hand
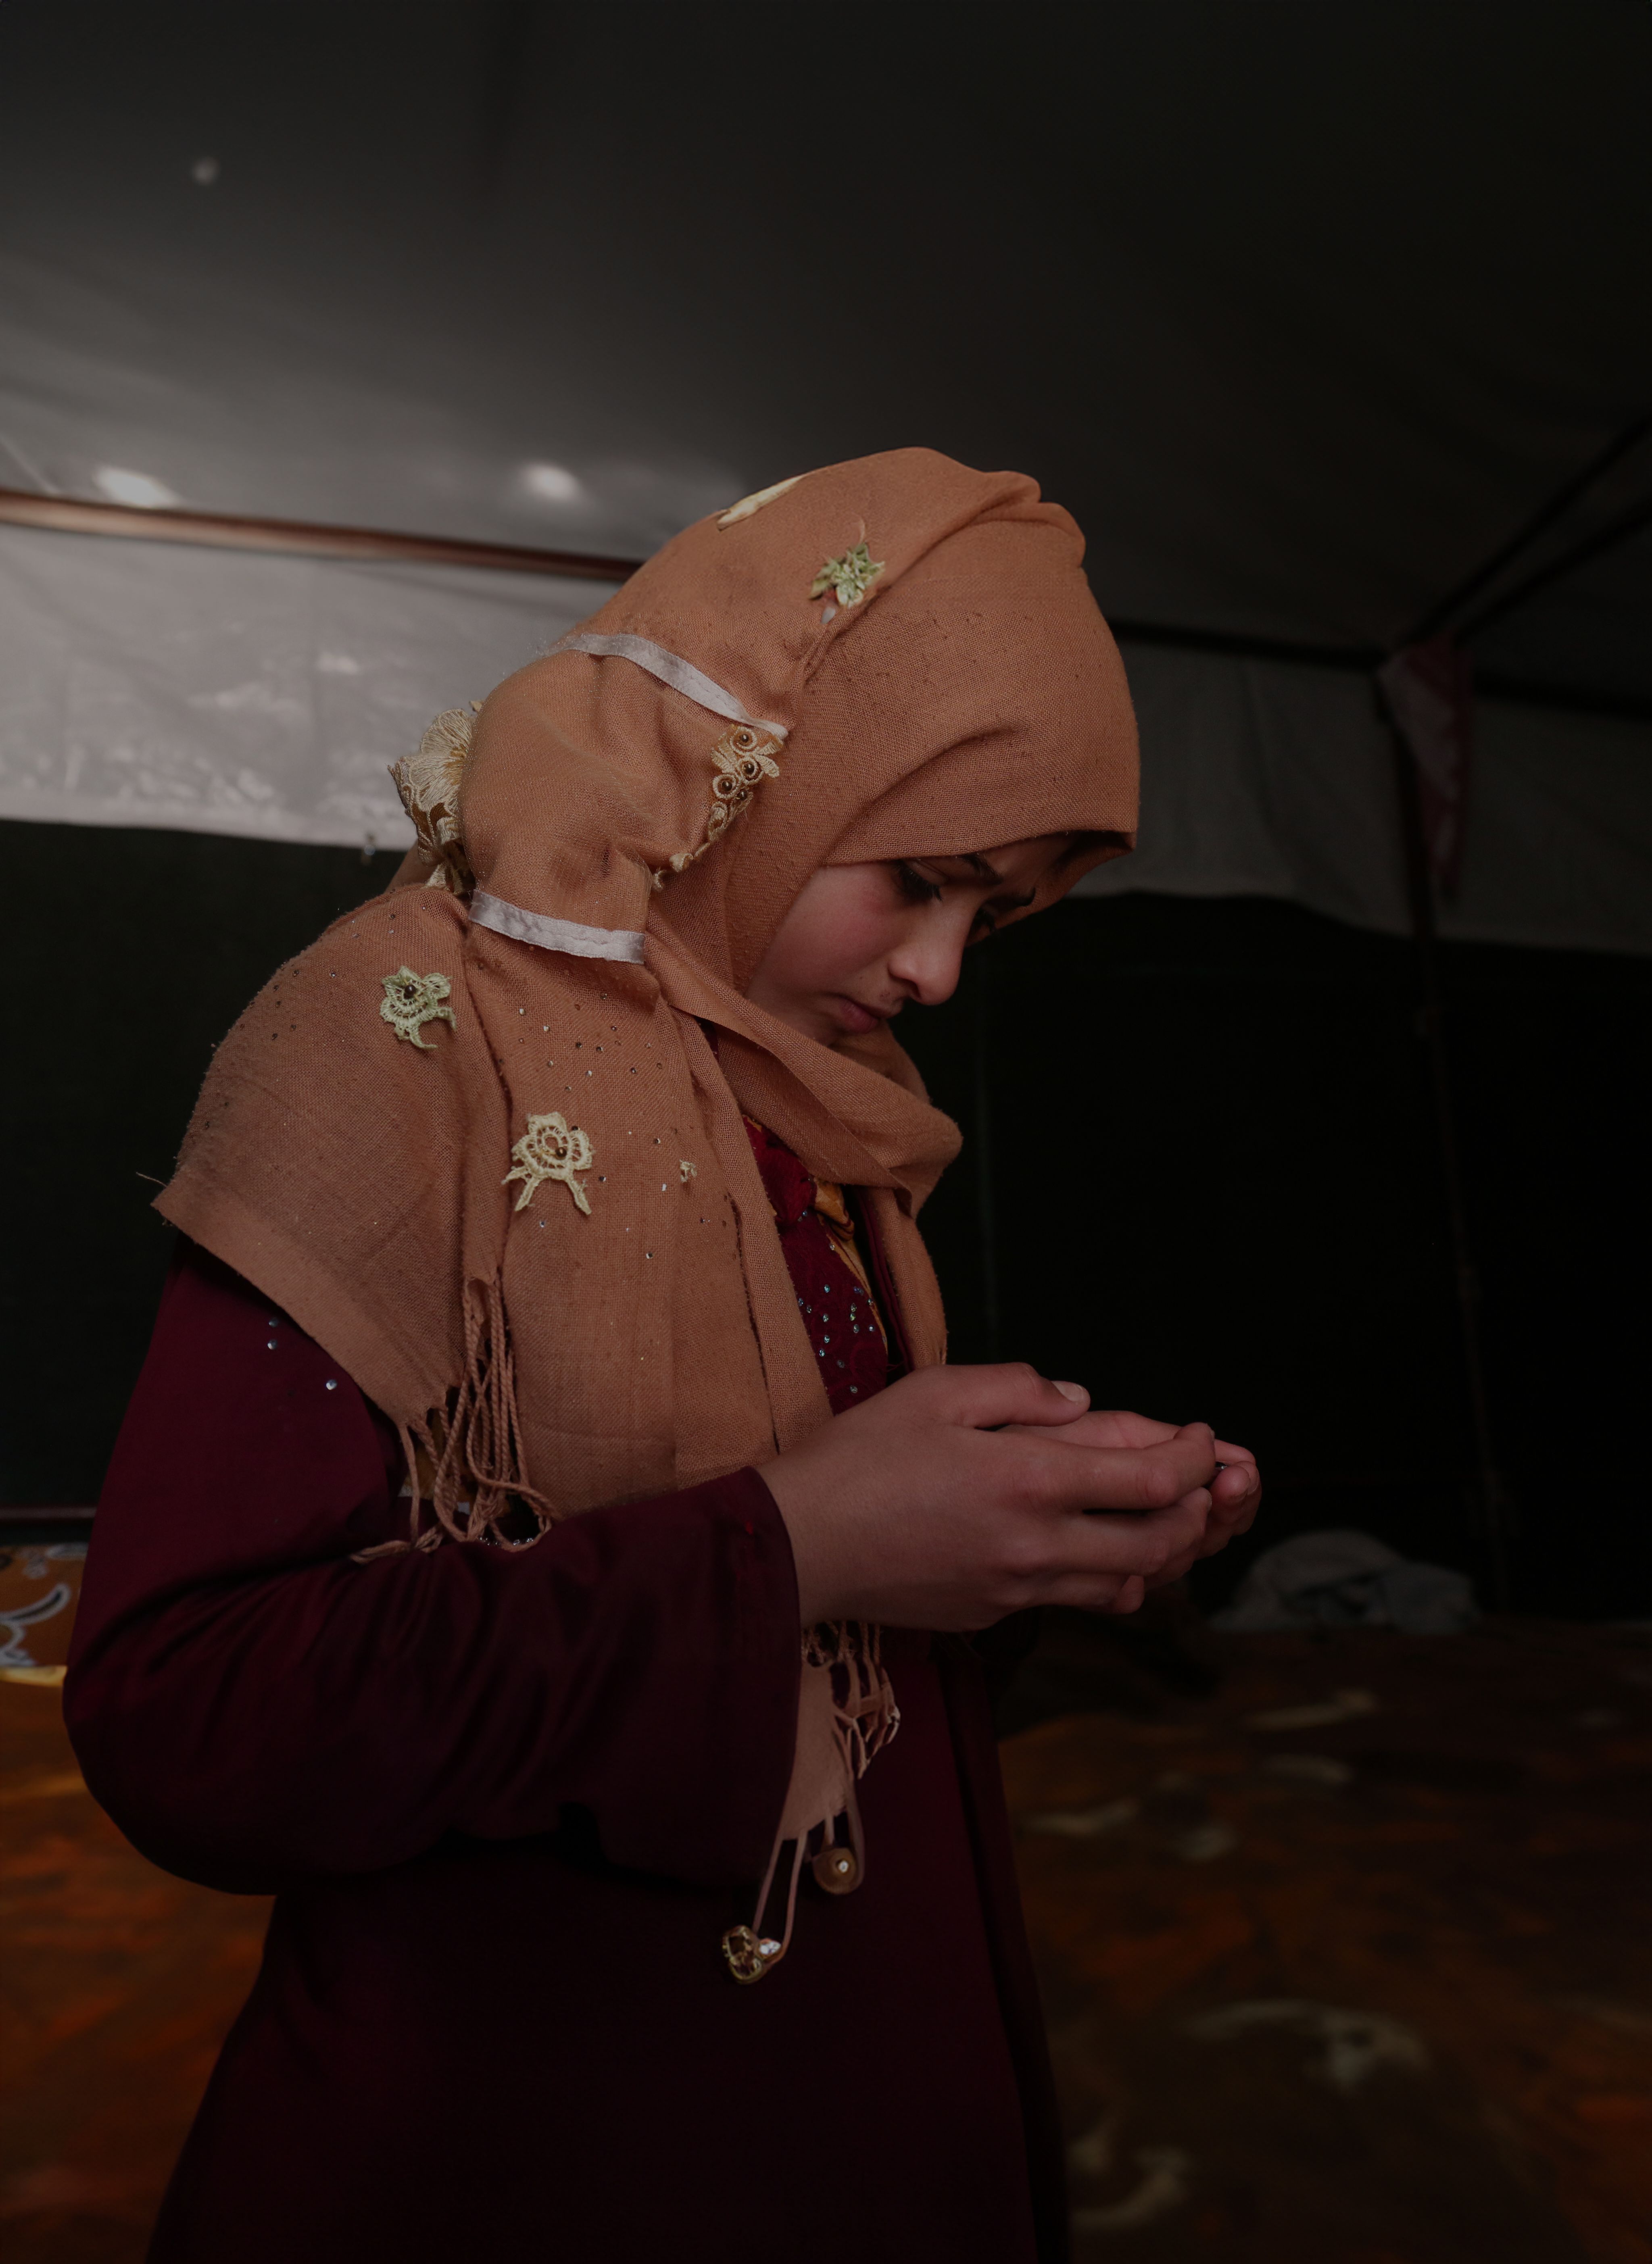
{"x": 1235, "y": 1491}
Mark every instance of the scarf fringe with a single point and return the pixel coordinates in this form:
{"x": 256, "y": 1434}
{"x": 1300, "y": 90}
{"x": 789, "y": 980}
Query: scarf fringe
{"x": 466, "y": 1463}
{"x": 466, "y": 1460}
{"x": 866, "y": 1717}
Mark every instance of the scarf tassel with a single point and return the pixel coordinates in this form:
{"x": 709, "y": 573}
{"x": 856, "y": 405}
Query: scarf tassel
{"x": 863, "y": 1718}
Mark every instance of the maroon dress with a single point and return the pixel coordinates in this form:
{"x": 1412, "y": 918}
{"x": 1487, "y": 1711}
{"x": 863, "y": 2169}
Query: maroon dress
{"x": 508, "y": 1805}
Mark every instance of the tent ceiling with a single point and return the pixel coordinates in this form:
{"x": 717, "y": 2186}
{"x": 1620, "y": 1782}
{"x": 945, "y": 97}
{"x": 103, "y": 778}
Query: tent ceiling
{"x": 1301, "y": 309}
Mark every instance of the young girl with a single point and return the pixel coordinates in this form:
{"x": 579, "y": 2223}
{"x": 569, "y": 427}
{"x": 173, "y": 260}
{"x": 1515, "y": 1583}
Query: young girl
{"x": 545, "y": 1538}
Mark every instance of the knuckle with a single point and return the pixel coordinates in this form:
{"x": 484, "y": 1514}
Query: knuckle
{"x": 1155, "y": 1554}
{"x": 1028, "y": 1477}
{"x": 1010, "y": 1580}
{"x": 1023, "y": 1552}
{"x": 1159, "y": 1488}
{"x": 1040, "y": 1486}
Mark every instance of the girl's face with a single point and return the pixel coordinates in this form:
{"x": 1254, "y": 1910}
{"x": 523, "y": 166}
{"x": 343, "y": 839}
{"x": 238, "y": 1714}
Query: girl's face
{"x": 862, "y": 940}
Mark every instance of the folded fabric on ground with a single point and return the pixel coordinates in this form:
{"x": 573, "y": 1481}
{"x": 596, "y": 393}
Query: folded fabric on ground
{"x": 1347, "y": 1579}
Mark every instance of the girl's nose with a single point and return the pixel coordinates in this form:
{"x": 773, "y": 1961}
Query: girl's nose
{"x": 929, "y": 964}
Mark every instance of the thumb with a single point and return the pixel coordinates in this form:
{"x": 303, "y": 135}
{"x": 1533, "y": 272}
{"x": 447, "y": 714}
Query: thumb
{"x": 985, "y": 1398}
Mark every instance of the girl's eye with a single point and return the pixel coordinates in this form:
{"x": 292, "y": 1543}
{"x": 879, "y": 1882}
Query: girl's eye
{"x": 913, "y": 886}
{"x": 984, "y": 923}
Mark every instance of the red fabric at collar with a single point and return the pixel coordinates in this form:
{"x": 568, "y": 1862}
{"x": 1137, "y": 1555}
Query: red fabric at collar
{"x": 839, "y": 1316}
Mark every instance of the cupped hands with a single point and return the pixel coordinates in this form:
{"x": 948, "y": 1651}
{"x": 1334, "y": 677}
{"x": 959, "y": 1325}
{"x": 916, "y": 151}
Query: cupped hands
{"x": 962, "y": 1494}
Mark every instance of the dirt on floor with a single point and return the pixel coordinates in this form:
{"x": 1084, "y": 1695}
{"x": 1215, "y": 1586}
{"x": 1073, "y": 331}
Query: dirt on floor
{"x": 1343, "y": 1942}
{"x": 1346, "y": 1960}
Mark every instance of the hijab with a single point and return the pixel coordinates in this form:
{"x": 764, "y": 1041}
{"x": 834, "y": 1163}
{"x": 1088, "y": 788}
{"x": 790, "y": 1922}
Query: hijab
{"x": 483, "y": 1140}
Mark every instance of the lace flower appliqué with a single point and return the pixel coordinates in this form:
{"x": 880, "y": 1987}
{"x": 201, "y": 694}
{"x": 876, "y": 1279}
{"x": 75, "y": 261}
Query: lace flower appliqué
{"x": 849, "y": 578}
{"x": 550, "y": 1148}
{"x": 743, "y": 758}
{"x": 412, "y": 1000}
{"x": 428, "y": 783}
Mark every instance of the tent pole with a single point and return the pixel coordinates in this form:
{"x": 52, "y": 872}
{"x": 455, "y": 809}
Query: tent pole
{"x": 1554, "y": 508}
{"x": 986, "y": 1200}
{"x": 73, "y": 515}
{"x": 1493, "y": 1503}
{"x": 1626, "y": 524}
{"x": 1494, "y": 1508}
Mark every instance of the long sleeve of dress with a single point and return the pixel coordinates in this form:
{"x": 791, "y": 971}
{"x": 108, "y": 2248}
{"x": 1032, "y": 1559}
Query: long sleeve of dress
{"x": 254, "y": 1709}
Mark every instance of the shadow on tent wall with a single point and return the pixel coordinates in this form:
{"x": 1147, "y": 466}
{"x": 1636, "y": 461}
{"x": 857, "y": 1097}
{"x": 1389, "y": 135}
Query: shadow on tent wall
{"x": 1212, "y": 1188}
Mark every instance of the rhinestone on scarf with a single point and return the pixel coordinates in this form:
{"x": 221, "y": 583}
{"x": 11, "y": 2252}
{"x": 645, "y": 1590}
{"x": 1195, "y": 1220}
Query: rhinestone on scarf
{"x": 747, "y": 1958}
{"x": 837, "y": 1869}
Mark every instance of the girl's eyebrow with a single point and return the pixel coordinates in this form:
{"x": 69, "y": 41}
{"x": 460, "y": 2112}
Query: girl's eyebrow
{"x": 984, "y": 869}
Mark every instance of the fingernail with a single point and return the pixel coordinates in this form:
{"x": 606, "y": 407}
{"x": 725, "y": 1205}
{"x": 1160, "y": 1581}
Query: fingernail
{"x": 1075, "y": 1392}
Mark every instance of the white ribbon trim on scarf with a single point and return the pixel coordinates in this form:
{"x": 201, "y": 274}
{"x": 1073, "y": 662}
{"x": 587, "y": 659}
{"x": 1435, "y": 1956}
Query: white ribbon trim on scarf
{"x": 572, "y": 936}
{"x": 681, "y": 675}
{"x": 548, "y": 935}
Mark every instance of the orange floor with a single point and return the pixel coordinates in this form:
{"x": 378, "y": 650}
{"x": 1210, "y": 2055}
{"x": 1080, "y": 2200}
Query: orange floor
{"x": 1356, "y": 1978}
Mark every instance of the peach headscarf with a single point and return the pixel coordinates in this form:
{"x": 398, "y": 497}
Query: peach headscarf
{"x": 476, "y": 1139}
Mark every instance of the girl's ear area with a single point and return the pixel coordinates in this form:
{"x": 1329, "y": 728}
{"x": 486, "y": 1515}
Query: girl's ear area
{"x": 1069, "y": 860}
{"x": 1082, "y": 854}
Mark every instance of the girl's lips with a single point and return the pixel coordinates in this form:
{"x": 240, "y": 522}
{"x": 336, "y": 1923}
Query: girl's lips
{"x": 852, "y": 1016}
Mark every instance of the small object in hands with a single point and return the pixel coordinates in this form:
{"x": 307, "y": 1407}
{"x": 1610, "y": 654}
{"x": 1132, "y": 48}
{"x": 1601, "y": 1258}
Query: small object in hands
{"x": 837, "y": 1871}
{"x": 748, "y": 1958}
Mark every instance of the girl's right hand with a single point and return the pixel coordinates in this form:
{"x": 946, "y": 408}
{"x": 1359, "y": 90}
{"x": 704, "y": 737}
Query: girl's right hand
{"x": 953, "y": 1498}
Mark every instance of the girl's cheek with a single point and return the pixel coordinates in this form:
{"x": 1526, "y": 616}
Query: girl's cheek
{"x": 855, "y": 942}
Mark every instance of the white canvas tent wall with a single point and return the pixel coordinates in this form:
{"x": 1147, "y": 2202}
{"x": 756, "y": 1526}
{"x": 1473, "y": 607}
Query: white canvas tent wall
{"x": 1300, "y": 310}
